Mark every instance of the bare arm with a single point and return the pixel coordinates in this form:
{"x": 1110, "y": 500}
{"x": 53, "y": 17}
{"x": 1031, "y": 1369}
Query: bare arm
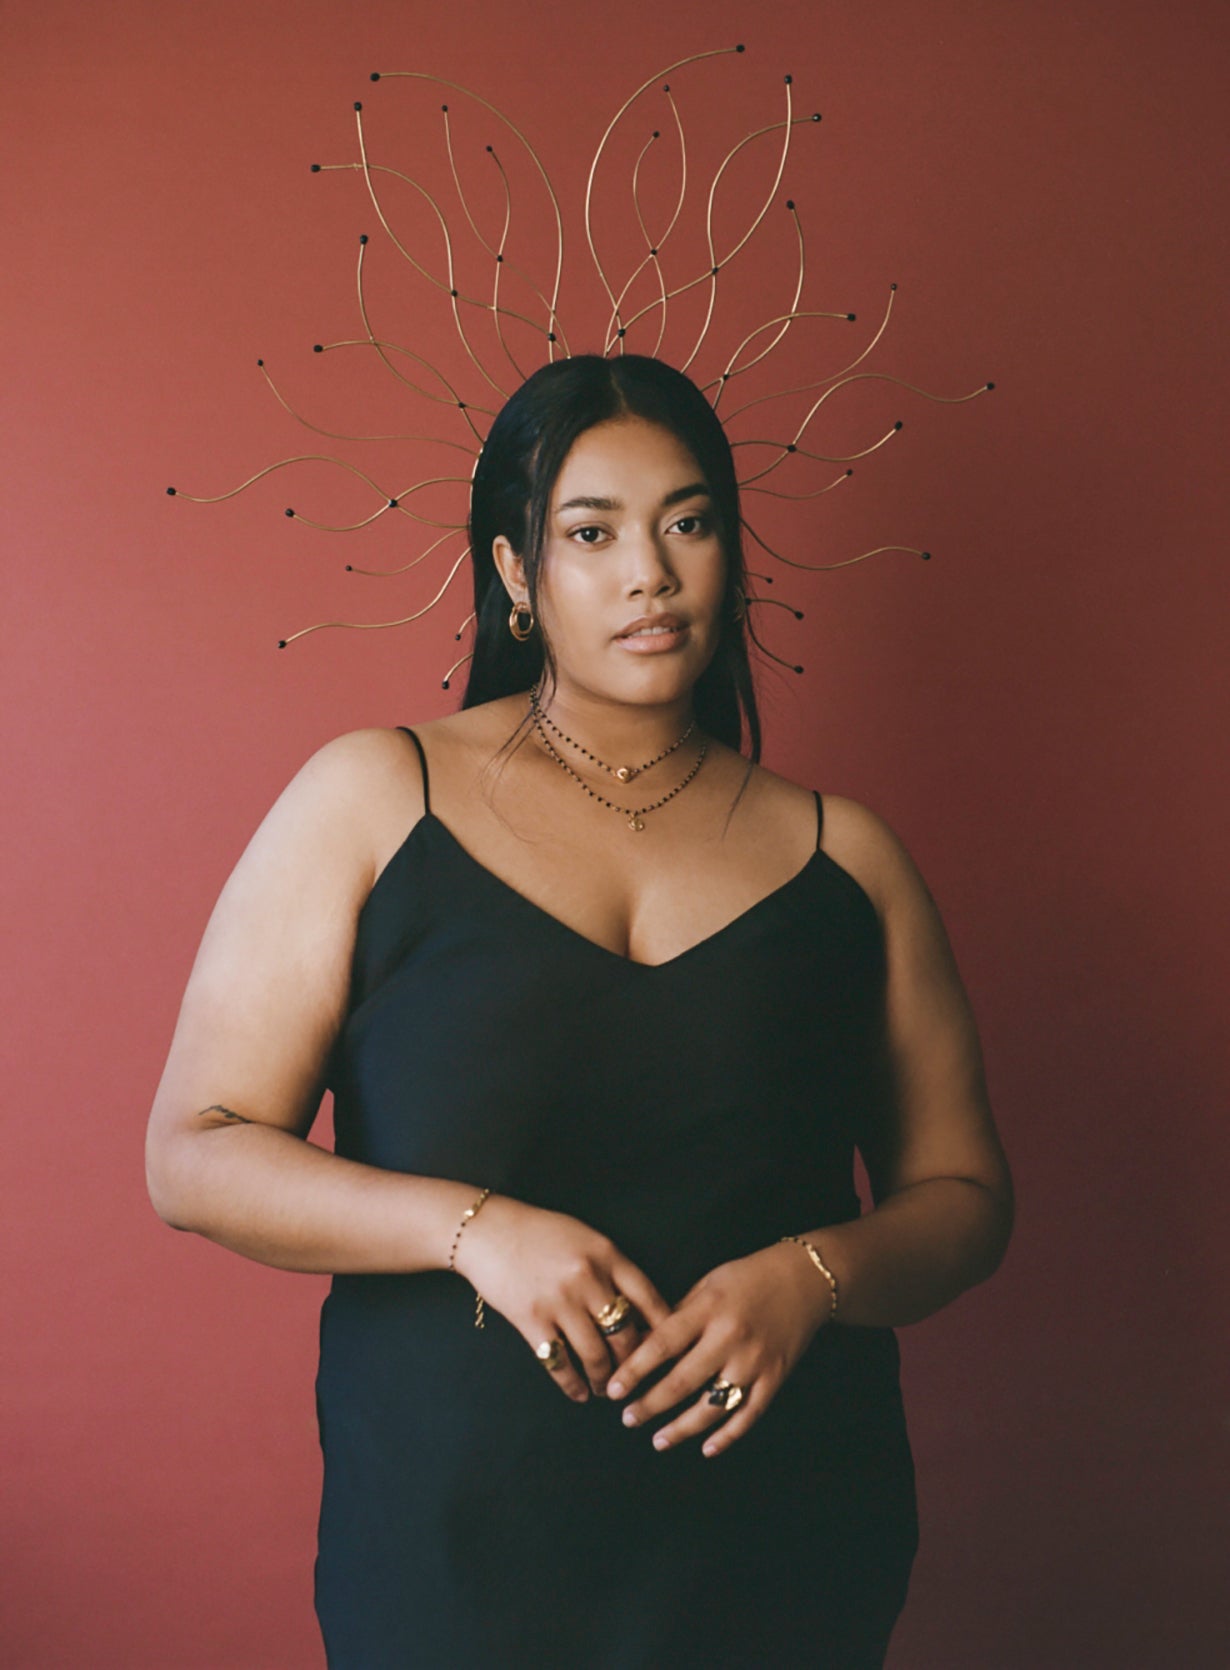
{"x": 942, "y": 1189}
{"x": 226, "y": 1153}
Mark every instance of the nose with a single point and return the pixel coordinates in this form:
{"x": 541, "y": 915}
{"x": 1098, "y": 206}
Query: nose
{"x": 649, "y": 570}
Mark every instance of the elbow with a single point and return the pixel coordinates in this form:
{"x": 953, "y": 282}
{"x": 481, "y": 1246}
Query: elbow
{"x": 166, "y": 1186}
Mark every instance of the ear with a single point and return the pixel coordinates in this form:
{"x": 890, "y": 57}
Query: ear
{"x": 510, "y": 568}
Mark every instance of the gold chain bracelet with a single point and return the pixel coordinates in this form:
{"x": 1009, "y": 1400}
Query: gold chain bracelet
{"x": 469, "y": 1212}
{"x": 821, "y": 1266}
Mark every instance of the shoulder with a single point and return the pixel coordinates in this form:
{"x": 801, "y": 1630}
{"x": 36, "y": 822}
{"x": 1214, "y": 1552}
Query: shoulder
{"x": 866, "y": 845}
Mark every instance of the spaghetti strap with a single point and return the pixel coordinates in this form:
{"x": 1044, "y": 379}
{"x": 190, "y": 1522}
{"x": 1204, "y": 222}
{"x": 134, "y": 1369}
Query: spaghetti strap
{"x": 819, "y": 817}
{"x": 423, "y": 763}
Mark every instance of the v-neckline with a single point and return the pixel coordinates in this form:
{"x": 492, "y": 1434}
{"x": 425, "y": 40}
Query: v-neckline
{"x": 429, "y": 818}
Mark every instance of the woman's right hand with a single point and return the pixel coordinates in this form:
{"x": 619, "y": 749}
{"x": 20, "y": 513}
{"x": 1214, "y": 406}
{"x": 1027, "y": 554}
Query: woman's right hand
{"x": 550, "y": 1275}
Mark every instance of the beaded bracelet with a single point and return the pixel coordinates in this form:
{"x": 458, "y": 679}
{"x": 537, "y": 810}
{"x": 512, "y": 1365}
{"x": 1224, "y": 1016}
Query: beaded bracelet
{"x": 469, "y": 1212}
{"x": 821, "y": 1266}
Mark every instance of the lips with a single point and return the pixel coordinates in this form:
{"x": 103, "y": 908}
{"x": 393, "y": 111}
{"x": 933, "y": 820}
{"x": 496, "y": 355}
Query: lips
{"x": 658, "y": 623}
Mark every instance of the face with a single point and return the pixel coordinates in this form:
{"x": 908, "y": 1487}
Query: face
{"x": 630, "y": 533}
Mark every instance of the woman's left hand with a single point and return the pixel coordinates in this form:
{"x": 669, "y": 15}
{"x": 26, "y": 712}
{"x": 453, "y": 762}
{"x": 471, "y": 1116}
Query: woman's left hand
{"x": 748, "y": 1322}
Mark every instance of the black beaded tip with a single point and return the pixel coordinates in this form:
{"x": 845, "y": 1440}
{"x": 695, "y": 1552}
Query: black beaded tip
{"x": 622, "y": 331}
{"x": 713, "y": 272}
{"x": 362, "y": 237}
{"x": 288, "y": 511}
{"x": 375, "y": 75}
{"x": 788, "y": 79}
{"x": 791, "y": 447}
{"x": 849, "y": 472}
{"x": 657, "y": 134}
{"x": 816, "y": 116}
{"x": 318, "y": 347}
{"x": 491, "y": 150}
{"x": 453, "y": 292}
{"x": 926, "y": 556}
{"x": 551, "y": 336}
{"x": 990, "y": 385}
{"x": 499, "y": 258}
{"x": 260, "y": 362}
{"x": 653, "y": 252}
{"x": 358, "y": 104}
{"x": 315, "y": 168}
{"x": 851, "y": 316}
{"x": 892, "y": 286}
{"x": 666, "y": 86}
{"x": 349, "y": 569}
{"x": 392, "y": 504}
{"x": 899, "y": 424}
{"x": 281, "y": 643}
{"x": 171, "y": 492}
{"x": 740, "y": 49}
{"x": 790, "y": 204}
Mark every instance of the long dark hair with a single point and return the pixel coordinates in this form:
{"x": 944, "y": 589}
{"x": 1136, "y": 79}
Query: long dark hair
{"x": 511, "y": 495}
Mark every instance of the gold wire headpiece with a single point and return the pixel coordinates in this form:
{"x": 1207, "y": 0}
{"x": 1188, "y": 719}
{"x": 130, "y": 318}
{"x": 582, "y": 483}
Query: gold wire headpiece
{"x": 543, "y": 327}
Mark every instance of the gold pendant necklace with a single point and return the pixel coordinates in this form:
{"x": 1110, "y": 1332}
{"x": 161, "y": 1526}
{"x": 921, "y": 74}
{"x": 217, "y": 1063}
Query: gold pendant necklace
{"x": 624, "y": 773}
{"x": 634, "y": 818}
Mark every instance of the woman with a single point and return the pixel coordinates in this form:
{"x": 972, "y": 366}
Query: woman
{"x": 603, "y": 1031}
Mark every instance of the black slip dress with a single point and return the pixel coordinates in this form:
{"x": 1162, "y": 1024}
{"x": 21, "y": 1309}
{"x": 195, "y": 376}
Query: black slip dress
{"x": 694, "y": 1111}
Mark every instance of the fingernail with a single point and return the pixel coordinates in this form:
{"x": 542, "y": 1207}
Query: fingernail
{"x": 708, "y": 1449}
{"x": 630, "y": 1417}
{"x": 614, "y": 1389}
{"x": 661, "y": 1441}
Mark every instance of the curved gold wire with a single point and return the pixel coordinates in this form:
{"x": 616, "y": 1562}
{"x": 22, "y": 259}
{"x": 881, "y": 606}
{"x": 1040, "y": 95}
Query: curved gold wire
{"x": 776, "y": 493}
{"x": 393, "y": 503}
{"x": 792, "y": 447}
{"x": 404, "y": 568}
{"x": 336, "y": 435}
{"x": 806, "y": 388}
{"x": 825, "y": 567}
{"x": 451, "y": 287}
{"x": 788, "y": 317}
{"x": 693, "y": 58}
{"x": 791, "y": 666}
{"x": 865, "y": 377}
{"x": 379, "y": 625}
{"x": 654, "y": 248}
{"x": 715, "y": 264}
{"x": 271, "y": 469}
{"x": 498, "y": 252}
{"x": 441, "y": 81}
{"x": 461, "y": 659}
{"x": 708, "y": 276}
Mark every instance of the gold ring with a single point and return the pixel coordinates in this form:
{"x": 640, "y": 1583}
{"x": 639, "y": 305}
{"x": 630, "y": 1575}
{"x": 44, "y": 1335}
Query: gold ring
{"x": 611, "y": 1318}
{"x": 724, "y": 1394}
{"x": 550, "y": 1354}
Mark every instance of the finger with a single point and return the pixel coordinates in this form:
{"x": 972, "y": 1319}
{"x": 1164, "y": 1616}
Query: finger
{"x": 696, "y": 1419}
{"x": 565, "y": 1376}
{"x": 638, "y": 1287}
{"x": 689, "y": 1374}
{"x": 589, "y": 1344}
{"x": 662, "y": 1344}
{"x": 622, "y": 1344}
{"x": 746, "y": 1415}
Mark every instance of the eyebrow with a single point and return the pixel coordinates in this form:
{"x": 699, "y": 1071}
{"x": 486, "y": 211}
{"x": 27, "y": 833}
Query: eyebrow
{"x": 693, "y": 490}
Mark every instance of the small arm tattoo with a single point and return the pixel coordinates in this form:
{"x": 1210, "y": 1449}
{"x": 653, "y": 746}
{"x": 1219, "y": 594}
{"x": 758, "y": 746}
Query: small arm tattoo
{"x": 228, "y": 1113}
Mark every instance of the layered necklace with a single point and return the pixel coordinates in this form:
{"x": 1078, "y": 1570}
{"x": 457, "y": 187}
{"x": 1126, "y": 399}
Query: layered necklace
{"x": 622, "y": 773}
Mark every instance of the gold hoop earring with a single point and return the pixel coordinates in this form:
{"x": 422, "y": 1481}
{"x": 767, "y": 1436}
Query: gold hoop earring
{"x": 519, "y": 632}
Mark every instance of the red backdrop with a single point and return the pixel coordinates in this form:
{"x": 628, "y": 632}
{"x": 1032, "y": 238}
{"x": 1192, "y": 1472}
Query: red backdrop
{"x": 1031, "y": 710}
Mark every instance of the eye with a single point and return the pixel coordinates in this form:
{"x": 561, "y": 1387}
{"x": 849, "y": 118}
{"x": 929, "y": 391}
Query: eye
{"x": 694, "y": 523}
{"x": 583, "y": 535}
